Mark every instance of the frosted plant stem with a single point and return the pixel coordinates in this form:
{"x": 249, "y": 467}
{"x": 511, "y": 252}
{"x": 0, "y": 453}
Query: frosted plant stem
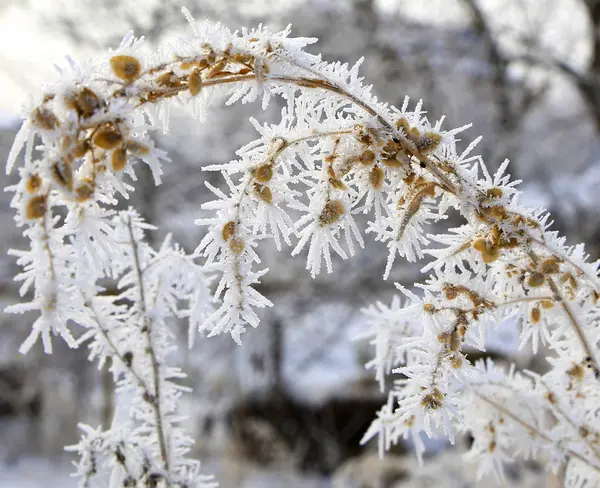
{"x": 534, "y": 430}
{"x": 147, "y": 331}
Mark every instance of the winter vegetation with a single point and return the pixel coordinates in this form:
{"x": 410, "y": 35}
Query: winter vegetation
{"x": 338, "y": 168}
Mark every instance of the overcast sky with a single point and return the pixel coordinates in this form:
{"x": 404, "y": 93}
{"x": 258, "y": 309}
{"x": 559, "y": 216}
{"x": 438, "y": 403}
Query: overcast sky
{"x": 28, "y": 50}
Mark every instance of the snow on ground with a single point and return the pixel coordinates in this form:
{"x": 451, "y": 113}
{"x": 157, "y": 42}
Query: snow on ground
{"x": 37, "y": 473}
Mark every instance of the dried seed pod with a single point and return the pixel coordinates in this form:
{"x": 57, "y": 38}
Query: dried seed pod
{"x": 195, "y": 82}
{"x": 237, "y": 246}
{"x": 80, "y": 149}
{"x": 263, "y": 173}
{"x": 136, "y": 147}
{"x": 168, "y": 79}
{"x": 228, "y": 230}
{"x": 494, "y": 193}
{"x": 391, "y": 162}
{"x": 403, "y": 124}
{"x": 489, "y": 252}
{"x": 338, "y": 184}
{"x": 376, "y": 177}
{"x": 85, "y": 102}
{"x": 536, "y": 279}
{"x": 62, "y": 173}
{"x": 367, "y": 157}
{"x": 413, "y": 134}
{"x": 107, "y": 138}
{"x": 119, "y": 159}
{"x": 428, "y": 142}
{"x": 536, "y": 315}
{"x": 36, "y": 207}
{"x": 550, "y": 266}
{"x": 451, "y": 292}
{"x": 44, "y": 119}
{"x": 456, "y": 362}
{"x": 85, "y": 190}
{"x": 33, "y": 183}
{"x": 263, "y": 192}
{"x": 125, "y": 67}
{"x": 332, "y": 211}
{"x": 577, "y": 372}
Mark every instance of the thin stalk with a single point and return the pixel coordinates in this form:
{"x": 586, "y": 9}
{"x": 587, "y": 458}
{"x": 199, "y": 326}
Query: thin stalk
{"x": 147, "y": 331}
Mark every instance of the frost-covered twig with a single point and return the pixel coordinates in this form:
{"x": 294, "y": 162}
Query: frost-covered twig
{"x": 336, "y": 152}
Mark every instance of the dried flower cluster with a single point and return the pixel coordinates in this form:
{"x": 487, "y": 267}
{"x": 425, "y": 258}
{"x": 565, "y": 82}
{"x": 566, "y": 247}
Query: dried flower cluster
{"x": 336, "y": 152}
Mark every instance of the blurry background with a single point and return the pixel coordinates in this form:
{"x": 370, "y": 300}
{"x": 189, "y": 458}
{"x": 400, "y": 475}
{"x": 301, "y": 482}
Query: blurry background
{"x": 290, "y": 406}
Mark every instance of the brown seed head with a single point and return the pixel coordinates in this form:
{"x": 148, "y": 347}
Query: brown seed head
{"x": 413, "y": 134}
{"x": 84, "y": 190}
{"x": 107, "y": 138}
{"x": 125, "y": 67}
{"x": 263, "y": 192}
{"x": 494, "y": 193}
{"x": 195, "y": 82}
{"x": 536, "y": 279}
{"x": 36, "y": 207}
{"x": 119, "y": 159}
{"x": 367, "y": 157}
{"x": 451, "y": 292}
{"x": 337, "y": 184}
{"x": 136, "y": 147}
{"x": 332, "y": 211}
{"x": 264, "y": 172}
{"x": 577, "y": 372}
{"x": 403, "y": 124}
{"x": 44, "y": 119}
{"x": 456, "y": 362}
{"x": 33, "y": 183}
{"x": 489, "y": 252}
{"x": 85, "y": 102}
{"x": 228, "y": 230}
{"x": 433, "y": 400}
{"x": 80, "y": 149}
{"x": 536, "y": 315}
{"x": 62, "y": 173}
{"x": 376, "y": 177}
{"x": 550, "y": 266}
{"x": 428, "y": 142}
{"x": 237, "y": 246}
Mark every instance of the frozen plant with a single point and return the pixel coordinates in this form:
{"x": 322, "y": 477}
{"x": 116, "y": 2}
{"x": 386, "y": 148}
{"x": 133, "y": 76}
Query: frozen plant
{"x": 336, "y": 152}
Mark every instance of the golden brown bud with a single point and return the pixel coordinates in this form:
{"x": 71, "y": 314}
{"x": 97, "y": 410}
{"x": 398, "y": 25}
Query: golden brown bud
{"x": 125, "y": 67}
{"x": 107, "y": 138}
{"x": 44, "y": 119}
{"x": 367, "y": 157}
{"x": 428, "y": 142}
{"x": 33, "y": 183}
{"x": 228, "y": 230}
{"x": 36, "y": 207}
{"x": 263, "y": 173}
{"x": 195, "y": 82}
{"x": 536, "y": 279}
{"x": 119, "y": 159}
{"x": 62, "y": 173}
{"x": 263, "y": 192}
{"x": 85, "y": 190}
{"x": 237, "y": 246}
{"x": 136, "y": 147}
{"x": 376, "y": 177}
{"x": 332, "y": 211}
